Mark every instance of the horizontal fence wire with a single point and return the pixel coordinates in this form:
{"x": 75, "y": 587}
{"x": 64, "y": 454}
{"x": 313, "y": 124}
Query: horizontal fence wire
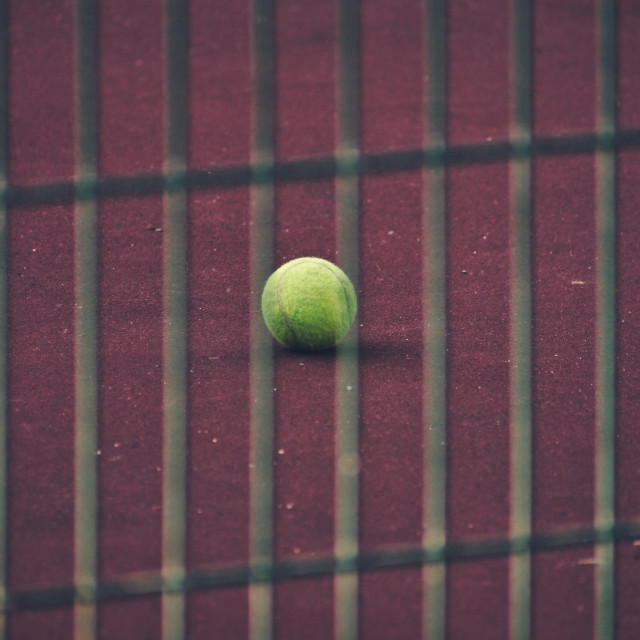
{"x": 317, "y": 168}
{"x": 221, "y": 576}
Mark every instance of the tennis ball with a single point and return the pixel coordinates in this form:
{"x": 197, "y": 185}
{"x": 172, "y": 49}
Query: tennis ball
{"x": 309, "y": 304}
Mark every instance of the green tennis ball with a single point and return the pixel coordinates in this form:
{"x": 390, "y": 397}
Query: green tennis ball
{"x": 309, "y": 304}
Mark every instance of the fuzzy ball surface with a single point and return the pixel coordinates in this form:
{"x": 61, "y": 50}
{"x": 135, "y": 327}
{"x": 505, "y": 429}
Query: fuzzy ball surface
{"x": 309, "y": 304}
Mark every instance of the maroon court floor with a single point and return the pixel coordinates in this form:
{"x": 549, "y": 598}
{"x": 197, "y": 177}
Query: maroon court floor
{"x": 396, "y": 82}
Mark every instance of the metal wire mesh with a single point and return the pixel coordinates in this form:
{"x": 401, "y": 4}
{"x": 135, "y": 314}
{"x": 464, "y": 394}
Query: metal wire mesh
{"x": 347, "y": 166}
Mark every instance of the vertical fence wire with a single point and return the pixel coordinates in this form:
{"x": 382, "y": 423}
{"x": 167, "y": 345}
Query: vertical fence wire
{"x": 435, "y": 361}
{"x": 4, "y": 86}
{"x": 605, "y": 319}
{"x": 261, "y": 248}
{"x": 175, "y": 364}
{"x": 347, "y": 207}
{"x": 520, "y": 321}
{"x": 86, "y": 358}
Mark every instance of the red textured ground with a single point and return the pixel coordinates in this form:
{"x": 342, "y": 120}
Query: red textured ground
{"x": 391, "y": 250}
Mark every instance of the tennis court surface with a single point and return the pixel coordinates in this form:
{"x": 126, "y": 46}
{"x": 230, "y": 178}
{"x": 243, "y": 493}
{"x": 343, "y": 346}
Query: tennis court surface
{"x": 465, "y": 465}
